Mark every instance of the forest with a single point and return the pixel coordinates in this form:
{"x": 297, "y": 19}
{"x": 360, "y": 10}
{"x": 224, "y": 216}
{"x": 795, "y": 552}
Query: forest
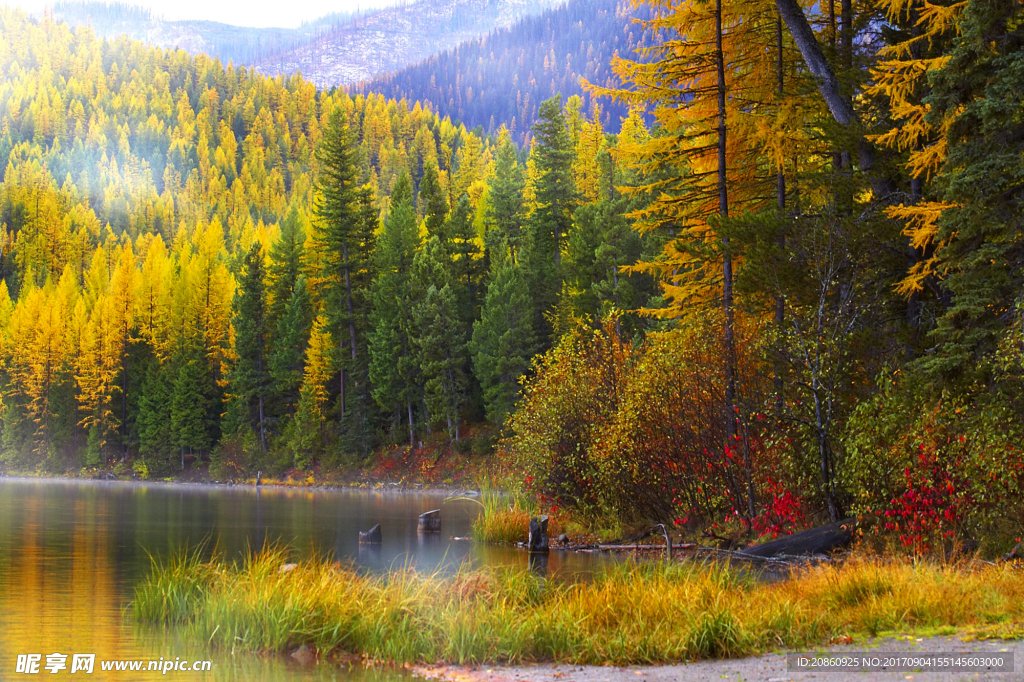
{"x": 200, "y": 261}
{"x": 787, "y": 289}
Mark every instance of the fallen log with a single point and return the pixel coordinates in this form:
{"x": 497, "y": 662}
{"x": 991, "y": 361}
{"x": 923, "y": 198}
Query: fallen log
{"x": 820, "y": 540}
{"x": 616, "y": 548}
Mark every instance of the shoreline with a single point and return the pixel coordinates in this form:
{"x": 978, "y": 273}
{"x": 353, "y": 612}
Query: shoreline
{"x": 771, "y": 667}
{"x": 375, "y": 486}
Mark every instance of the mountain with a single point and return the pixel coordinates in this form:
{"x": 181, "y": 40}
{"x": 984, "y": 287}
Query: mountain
{"x": 393, "y": 38}
{"x": 238, "y": 44}
{"x": 503, "y": 77}
{"x": 337, "y": 49}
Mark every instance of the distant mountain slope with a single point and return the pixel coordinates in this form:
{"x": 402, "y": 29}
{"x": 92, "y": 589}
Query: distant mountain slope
{"x": 338, "y": 49}
{"x": 503, "y": 78}
{"x": 239, "y": 44}
{"x": 391, "y": 39}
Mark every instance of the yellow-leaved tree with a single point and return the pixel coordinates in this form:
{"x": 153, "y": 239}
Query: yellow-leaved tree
{"x": 901, "y": 77}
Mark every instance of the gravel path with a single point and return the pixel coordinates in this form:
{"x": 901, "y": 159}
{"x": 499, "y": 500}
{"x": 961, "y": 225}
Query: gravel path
{"x": 767, "y": 668}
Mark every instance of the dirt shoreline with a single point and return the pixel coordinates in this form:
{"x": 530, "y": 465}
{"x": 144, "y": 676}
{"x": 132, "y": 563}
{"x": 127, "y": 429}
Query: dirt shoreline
{"x": 767, "y": 668}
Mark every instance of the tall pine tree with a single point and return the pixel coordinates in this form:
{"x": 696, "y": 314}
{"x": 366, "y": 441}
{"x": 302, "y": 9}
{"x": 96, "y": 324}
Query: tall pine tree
{"x": 345, "y": 231}
{"x": 440, "y": 338}
{"x": 249, "y": 375}
{"x": 503, "y": 340}
{"x": 394, "y": 366}
{"x": 549, "y": 226}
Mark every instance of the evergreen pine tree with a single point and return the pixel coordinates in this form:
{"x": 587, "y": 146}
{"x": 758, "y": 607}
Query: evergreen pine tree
{"x": 466, "y": 264}
{"x": 432, "y": 202}
{"x": 440, "y": 337}
{"x": 359, "y": 423}
{"x": 345, "y": 237}
{"x": 505, "y": 211}
{"x": 600, "y": 244}
{"x": 982, "y": 249}
{"x": 503, "y": 340}
{"x": 193, "y": 418}
{"x": 154, "y": 421}
{"x": 285, "y": 266}
{"x": 291, "y": 339}
{"x": 394, "y": 367}
{"x": 549, "y": 226}
{"x": 249, "y": 377}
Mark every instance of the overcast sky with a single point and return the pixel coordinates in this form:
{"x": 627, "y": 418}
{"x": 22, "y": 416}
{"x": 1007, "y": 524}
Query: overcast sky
{"x": 282, "y": 13}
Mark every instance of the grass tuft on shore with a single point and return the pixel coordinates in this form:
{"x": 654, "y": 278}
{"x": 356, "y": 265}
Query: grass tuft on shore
{"x": 504, "y": 517}
{"x": 633, "y": 613}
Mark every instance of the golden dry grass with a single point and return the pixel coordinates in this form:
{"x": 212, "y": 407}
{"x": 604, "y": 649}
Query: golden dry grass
{"x": 632, "y": 613}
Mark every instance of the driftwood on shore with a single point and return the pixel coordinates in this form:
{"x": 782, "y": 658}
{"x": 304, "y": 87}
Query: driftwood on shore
{"x": 815, "y": 543}
{"x": 822, "y": 540}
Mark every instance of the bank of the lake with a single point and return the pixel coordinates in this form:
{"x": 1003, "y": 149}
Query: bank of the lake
{"x": 770, "y": 666}
{"x": 632, "y": 613}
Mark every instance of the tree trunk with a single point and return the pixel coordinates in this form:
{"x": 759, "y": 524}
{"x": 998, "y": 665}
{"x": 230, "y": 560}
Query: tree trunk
{"x": 780, "y": 181}
{"x": 824, "y": 460}
{"x": 412, "y": 433}
{"x": 124, "y": 398}
{"x": 828, "y": 84}
{"x": 723, "y": 210}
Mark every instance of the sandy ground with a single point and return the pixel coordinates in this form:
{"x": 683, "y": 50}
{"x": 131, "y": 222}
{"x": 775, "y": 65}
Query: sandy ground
{"x": 768, "y": 668}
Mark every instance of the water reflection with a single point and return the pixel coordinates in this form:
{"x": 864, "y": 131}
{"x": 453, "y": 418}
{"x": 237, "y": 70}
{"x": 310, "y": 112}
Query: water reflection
{"x": 539, "y": 563}
{"x": 71, "y": 553}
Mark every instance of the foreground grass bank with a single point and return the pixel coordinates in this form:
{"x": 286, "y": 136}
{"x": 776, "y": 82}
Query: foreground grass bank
{"x": 634, "y": 613}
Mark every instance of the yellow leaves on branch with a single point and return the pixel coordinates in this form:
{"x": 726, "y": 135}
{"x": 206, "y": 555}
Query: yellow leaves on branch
{"x": 901, "y": 79}
{"x": 922, "y": 227}
{"x": 677, "y": 81}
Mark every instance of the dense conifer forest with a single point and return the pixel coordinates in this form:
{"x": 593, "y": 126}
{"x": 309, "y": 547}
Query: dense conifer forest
{"x": 200, "y": 258}
{"x": 783, "y": 286}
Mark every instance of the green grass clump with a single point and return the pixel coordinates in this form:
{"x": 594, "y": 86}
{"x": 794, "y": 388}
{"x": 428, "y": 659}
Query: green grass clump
{"x": 632, "y": 613}
{"x": 503, "y": 520}
{"x": 505, "y": 517}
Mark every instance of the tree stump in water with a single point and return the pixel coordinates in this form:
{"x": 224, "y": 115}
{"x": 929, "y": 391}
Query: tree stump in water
{"x": 430, "y": 522}
{"x": 370, "y": 537}
{"x": 539, "y": 534}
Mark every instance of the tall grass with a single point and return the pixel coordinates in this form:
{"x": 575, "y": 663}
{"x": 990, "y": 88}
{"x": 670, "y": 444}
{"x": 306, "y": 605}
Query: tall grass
{"x": 505, "y": 516}
{"x": 632, "y": 613}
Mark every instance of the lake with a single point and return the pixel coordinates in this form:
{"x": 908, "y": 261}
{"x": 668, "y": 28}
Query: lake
{"x": 71, "y": 552}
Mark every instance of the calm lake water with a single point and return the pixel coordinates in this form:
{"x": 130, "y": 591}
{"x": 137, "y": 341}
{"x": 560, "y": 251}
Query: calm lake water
{"x": 71, "y": 553}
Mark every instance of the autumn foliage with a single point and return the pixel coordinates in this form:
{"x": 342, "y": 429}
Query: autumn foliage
{"x": 636, "y": 430}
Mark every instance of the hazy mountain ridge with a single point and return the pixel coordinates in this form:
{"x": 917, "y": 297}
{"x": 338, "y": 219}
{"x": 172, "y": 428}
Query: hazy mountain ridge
{"x": 240, "y": 44}
{"x": 337, "y": 49}
{"x": 391, "y": 39}
{"x": 503, "y": 78}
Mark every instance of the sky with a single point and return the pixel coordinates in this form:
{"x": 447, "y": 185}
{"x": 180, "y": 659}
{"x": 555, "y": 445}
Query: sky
{"x": 262, "y": 13}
